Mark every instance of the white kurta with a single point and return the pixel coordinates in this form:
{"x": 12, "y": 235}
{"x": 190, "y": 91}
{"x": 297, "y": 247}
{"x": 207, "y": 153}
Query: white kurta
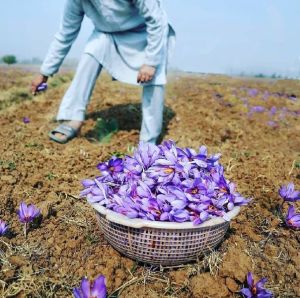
{"x": 127, "y": 34}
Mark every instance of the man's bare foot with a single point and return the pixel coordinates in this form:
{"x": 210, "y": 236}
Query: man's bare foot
{"x": 74, "y": 124}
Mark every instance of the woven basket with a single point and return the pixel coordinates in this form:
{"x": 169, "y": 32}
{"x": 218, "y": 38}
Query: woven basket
{"x": 161, "y": 243}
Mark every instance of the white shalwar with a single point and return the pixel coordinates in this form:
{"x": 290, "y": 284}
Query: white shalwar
{"x": 127, "y": 35}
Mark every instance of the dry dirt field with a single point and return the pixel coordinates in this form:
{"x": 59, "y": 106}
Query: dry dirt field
{"x": 228, "y": 115}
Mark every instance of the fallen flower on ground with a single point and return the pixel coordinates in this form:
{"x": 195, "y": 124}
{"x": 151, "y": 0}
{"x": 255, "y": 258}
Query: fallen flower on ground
{"x": 288, "y": 193}
{"x": 3, "y": 227}
{"x": 256, "y": 290}
{"x": 292, "y": 218}
{"x": 26, "y": 120}
{"x": 95, "y": 289}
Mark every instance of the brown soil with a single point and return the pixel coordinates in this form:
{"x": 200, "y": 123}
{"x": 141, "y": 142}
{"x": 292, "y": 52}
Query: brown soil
{"x": 67, "y": 244}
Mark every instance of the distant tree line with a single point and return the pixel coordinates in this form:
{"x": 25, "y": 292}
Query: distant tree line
{"x": 9, "y": 59}
{"x": 268, "y": 76}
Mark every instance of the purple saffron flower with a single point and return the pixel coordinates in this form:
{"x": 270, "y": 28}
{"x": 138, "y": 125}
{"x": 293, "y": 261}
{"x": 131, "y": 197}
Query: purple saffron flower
{"x": 42, "y": 87}
{"x": 132, "y": 168}
{"x": 253, "y": 92}
{"x": 237, "y": 200}
{"x": 98, "y": 194}
{"x": 223, "y": 185}
{"x": 113, "y": 167}
{"x": 288, "y": 193}
{"x": 292, "y": 218}
{"x": 202, "y": 217}
{"x": 26, "y": 120}
{"x": 272, "y": 124}
{"x": 273, "y": 111}
{"x": 27, "y": 213}
{"x": 283, "y": 113}
{"x": 146, "y": 154}
{"x": 187, "y": 153}
{"x": 180, "y": 215}
{"x": 194, "y": 189}
{"x": 257, "y": 109}
{"x": 87, "y": 289}
{"x": 88, "y": 182}
{"x": 3, "y": 227}
{"x": 266, "y": 95}
{"x": 201, "y": 157}
{"x": 256, "y": 290}
{"x": 213, "y": 161}
{"x": 166, "y": 168}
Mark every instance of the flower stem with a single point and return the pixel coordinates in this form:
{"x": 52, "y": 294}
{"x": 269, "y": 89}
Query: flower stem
{"x": 25, "y": 230}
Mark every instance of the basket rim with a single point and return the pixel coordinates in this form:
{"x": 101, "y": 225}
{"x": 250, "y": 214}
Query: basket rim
{"x": 144, "y": 223}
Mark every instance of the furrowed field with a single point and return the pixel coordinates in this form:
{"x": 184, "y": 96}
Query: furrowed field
{"x": 254, "y": 123}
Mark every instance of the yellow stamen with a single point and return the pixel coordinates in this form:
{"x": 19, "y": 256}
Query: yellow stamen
{"x": 169, "y": 171}
{"x": 194, "y": 191}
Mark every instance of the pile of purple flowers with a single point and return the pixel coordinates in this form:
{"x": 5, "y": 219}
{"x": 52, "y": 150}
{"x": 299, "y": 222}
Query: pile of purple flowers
{"x": 290, "y": 195}
{"x": 164, "y": 183}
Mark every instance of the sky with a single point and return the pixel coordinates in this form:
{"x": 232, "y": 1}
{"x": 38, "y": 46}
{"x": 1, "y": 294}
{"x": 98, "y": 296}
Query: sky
{"x": 213, "y": 36}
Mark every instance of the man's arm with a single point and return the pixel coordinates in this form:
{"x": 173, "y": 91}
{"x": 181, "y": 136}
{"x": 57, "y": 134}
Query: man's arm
{"x": 157, "y": 26}
{"x": 64, "y": 38}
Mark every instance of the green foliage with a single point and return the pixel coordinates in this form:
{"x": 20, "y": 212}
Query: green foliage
{"x": 92, "y": 238}
{"x": 14, "y": 96}
{"x": 117, "y": 154}
{"x": 7, "y": 164}
{"x": 50, "y": 176}
{"x": 59, "y": 80}
{"x": 105, "y": 128}
{"x": 35, "y": 145}
{"x": 130, "y": 149}
{"x": 260, "y": 75}
{"x": 9, "y": 59}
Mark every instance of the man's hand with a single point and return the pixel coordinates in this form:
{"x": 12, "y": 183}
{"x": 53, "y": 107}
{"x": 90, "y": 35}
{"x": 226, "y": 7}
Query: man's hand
{"x": 146, "y": 74}
{"x": 36, "y": 82}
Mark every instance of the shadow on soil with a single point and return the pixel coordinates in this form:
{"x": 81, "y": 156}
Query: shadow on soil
{"x": 128, "y": 117}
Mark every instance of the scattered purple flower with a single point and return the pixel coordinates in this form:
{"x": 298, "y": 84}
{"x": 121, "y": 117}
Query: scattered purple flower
{"x": 256, "y": 290}
{"x": 253, "y": 92}
{"x": 273, "y": 124}
{"x": 87, "y": 289}
{"x": 27, "y": 213}
{"x": 257, "y": 109}
{"x": 288, "y": 193}
{"x": 273, "y": 111}
{"x": 26, "y": 120}
{"x": 266, "y": 95}
{"x": 292, "y": 218}
{"x": 3, "y": 227}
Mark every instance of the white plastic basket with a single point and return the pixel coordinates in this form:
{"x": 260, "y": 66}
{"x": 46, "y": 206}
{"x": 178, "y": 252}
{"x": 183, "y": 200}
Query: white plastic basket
{"x": 161, "y": 243}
